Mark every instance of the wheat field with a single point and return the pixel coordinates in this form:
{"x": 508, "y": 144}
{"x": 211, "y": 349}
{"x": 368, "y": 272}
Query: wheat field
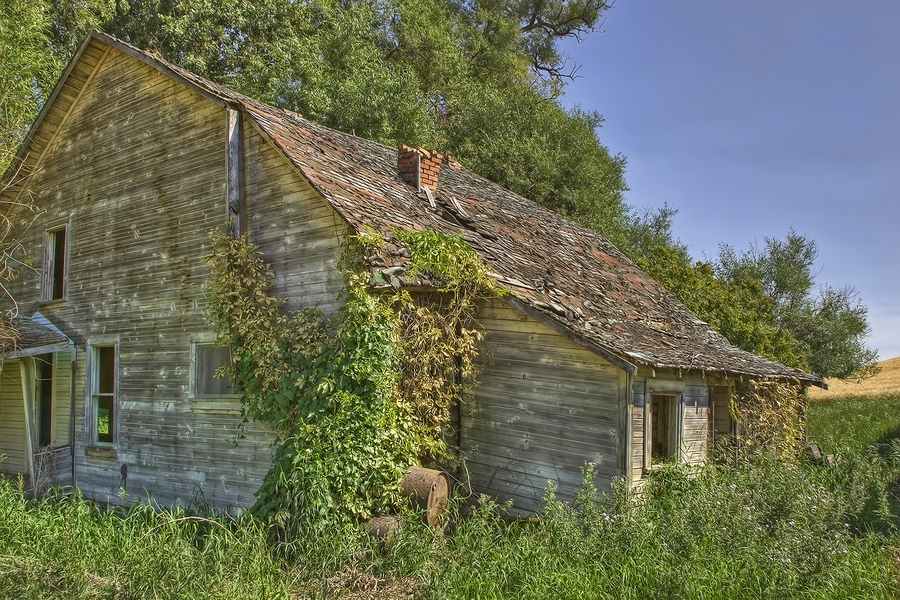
{"x": 886, "y": 383}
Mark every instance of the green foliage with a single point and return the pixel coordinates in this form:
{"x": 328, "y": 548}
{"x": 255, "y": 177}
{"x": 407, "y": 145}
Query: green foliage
{"x": 328, "y": 388}
{"x": 762, "y": 300}
{"x": 829, "y": 329}
{"x": 28, "y": 70}
{"x": 440, "y": 334}
{"x": 64, "y": 547}
{"x": 772, "y": 419}
{"x": 768, "y": 529}
{"x": 357, "y": 399}
{"x": 851, "y": 425}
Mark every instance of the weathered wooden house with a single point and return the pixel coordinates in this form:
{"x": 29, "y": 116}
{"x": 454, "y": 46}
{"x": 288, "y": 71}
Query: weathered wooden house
{"x": 133, "y": 161}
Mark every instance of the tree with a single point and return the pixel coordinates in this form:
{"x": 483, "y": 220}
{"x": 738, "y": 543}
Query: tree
{"x": 829, "y": 326}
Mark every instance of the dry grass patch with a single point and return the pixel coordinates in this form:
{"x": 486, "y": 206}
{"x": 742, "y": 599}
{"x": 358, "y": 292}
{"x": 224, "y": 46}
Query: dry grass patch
{"x": 886, "y": 383}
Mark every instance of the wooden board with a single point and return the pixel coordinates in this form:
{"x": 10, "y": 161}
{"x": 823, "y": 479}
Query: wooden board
{"x": 544, "y": 407}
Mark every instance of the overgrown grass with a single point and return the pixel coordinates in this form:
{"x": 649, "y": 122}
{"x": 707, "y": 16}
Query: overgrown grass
{"x": 770, "y": 529}
{"x": 854, "y": 424}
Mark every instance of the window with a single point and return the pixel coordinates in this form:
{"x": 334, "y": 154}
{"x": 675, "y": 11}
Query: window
{"x": 207, "y": 358}
{"x": 55, "y": 265}
{"x": 103, "y": 393}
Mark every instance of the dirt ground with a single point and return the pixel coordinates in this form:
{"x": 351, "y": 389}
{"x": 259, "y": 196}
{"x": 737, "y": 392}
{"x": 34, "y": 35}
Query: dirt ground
{"x": 887, "y": 382}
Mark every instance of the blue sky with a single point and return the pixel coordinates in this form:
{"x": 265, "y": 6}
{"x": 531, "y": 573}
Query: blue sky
{"x": 752, "y": 118}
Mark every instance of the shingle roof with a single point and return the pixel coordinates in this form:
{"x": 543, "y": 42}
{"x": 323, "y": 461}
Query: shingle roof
{"x": 567, "y": 276}
{"x": 31, "y": 338}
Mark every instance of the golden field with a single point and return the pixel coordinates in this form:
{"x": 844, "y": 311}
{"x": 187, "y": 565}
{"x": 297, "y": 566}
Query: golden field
{"x": 886, "y": 383}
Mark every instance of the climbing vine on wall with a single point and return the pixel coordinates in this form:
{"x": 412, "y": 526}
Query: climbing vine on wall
{"x": 771, "y": 416}
{"x": 358, "y": 397}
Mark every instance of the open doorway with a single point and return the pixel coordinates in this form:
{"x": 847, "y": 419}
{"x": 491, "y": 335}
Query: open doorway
{"x": 44, "y": 396}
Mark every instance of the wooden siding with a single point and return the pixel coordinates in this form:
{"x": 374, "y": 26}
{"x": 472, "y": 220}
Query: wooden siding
{"x": 544, "y": 407}
{"x": 637, "y": 429}
{"x": 61, "y": 409}
{"x": 12, "y": 419}
{"x": 137, "y": 172}
{"x": 299, "y": 234}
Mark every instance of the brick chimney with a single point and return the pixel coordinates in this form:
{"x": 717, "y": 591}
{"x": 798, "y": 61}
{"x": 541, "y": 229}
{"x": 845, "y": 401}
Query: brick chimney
{"x": 419, "y": 167}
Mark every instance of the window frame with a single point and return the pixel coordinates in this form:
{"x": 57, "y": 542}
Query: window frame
{"x": 51, "y": 261}
{"x": 194, "y": 384}
{"x": 93, "y": 394}
{"x": 675, "y": 427}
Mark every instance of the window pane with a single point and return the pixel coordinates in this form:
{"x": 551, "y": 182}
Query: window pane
{"x": 105, "y": 416}
{"x": 106, "y": 369}
{"x": 58, "y": 240}
{"x": 209, "y": 358}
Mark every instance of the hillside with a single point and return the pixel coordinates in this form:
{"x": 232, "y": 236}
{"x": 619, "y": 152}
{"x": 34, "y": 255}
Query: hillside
{"x": 885, "y": 383}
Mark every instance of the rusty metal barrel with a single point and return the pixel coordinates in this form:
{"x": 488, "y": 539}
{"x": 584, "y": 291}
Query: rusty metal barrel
{"x": 429, "y": 490}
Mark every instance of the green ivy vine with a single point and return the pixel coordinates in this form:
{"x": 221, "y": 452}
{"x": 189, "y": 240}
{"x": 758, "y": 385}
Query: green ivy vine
{"x": 357, "y": 398}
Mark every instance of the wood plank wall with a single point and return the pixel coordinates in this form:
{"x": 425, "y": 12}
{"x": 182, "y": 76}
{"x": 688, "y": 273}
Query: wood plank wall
{"x": 61, "y": 410}
{"x": 544, "y": 407}
{"x": 299, "y": 234}
{"x": 637, "y": 428}
{"x": 138, "y": 171}
{"x": 12, "y": 419}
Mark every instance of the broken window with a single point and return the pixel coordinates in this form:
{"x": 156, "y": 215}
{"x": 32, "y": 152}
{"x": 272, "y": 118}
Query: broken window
{"x": 207, "y": 358}
{"x": 103, "y": 396}
{"x": 55, "y": 264}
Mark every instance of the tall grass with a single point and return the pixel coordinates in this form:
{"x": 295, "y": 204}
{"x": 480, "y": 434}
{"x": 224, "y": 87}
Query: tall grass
{"x": 854, "y": 424}
{"x": 66, "y": 547}
{"x": 770, "y": 529}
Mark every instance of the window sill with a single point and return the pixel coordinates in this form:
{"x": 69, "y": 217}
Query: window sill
{"x": 58, "y": 303}
{"x": 101, "y": 452}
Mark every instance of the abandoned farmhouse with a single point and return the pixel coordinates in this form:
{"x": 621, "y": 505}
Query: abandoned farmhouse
{"x": 112, "y": 384}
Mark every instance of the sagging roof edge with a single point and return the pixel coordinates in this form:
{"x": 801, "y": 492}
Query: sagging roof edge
{"x": 617, "y": 360}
